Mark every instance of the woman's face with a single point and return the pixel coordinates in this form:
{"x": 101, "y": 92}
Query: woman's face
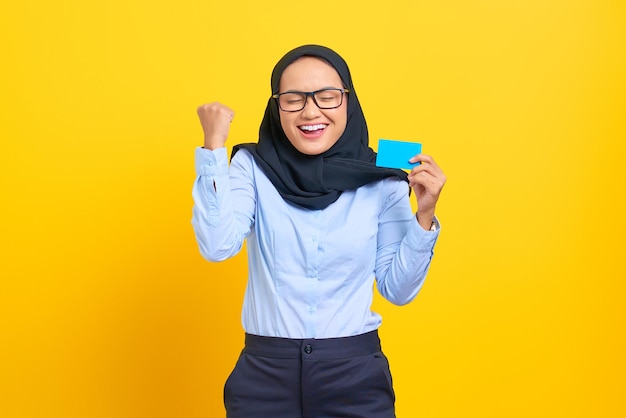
{"x": 312, "y": 130}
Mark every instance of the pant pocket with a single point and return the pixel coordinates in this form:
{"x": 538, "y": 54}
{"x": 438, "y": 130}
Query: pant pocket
{"x": 382, "y": 364}
{"x": 230, "y": 386}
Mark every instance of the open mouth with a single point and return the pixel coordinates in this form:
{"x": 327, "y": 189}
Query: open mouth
{"x": 313, "y": 129}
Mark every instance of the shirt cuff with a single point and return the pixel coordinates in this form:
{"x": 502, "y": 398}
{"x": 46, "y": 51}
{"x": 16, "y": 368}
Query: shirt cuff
{"x": 421, "y": 239}
{"x": 211, "y": 163}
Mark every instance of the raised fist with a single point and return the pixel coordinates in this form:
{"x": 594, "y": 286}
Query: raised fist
{"x": 215, "y": 119}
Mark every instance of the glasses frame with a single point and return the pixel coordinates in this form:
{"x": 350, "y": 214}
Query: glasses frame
{"x": 312, "y": 95}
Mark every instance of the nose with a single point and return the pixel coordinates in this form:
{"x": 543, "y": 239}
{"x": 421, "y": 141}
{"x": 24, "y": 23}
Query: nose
{"x": 310, "y": 108}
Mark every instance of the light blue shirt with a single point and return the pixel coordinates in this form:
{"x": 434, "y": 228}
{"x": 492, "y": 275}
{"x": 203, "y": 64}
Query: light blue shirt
{"x": 311, "y": 272}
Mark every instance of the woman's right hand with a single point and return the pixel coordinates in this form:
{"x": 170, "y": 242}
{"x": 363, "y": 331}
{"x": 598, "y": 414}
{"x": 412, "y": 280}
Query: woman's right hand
{"x": 215, "y": 119}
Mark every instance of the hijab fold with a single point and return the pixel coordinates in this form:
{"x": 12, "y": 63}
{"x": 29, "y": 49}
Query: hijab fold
{"x": 316, "y": 181}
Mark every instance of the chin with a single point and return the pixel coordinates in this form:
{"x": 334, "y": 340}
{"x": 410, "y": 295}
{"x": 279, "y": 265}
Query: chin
{"x": 309, "y": 150}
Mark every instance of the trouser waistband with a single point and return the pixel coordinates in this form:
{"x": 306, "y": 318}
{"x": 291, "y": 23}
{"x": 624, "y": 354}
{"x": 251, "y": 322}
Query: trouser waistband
{"x": 319, "y": 349}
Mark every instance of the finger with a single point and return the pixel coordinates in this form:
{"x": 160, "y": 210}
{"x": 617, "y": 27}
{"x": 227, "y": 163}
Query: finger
{"x": 421, "y": 158}
{"x": 427, "y": 179}
{"x": 426, "y": 168}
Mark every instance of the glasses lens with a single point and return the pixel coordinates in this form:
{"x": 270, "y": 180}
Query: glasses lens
{"x": 325, "y": 99}
{"x": 328, "y": 99}
{"x": 292, "y": 101}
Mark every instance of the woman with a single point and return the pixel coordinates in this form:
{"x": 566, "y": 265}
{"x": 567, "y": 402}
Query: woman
{"x": 322, "y": 222}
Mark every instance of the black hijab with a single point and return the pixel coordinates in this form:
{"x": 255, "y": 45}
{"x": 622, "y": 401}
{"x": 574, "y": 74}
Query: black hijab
{"x": 316, "y": 181}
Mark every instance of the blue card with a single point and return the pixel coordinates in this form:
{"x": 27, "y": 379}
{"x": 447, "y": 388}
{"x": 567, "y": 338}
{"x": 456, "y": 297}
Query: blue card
{"x": 396, "y": 154}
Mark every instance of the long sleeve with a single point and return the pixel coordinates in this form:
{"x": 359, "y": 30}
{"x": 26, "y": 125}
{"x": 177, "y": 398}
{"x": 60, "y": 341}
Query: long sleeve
{"x": 404, "y": 250}
{"x": 224, "y": 204}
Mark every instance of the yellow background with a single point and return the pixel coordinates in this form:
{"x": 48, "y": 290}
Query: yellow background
{"x": 107, "y": 308}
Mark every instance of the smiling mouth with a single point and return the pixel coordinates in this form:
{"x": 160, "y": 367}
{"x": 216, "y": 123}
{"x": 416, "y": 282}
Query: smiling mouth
{"x": 312, "y": 128}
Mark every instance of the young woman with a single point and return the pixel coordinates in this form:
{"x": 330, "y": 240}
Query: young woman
{"x": 322, "y": 223}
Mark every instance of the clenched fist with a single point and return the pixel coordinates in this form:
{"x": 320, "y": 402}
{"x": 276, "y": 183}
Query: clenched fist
{"x": 215, "y": 119}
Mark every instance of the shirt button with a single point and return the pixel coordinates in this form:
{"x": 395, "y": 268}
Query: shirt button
{"x": 308, "y": 349}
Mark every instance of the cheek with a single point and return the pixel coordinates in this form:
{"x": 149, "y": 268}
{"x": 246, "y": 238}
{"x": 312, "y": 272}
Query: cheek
{"x": 284, "y": 122}
{"x": 341, "y": 122}
{"x": 281, "y": 117}
{"x": 288, "y": 126}
{"x": 343, "y": 116}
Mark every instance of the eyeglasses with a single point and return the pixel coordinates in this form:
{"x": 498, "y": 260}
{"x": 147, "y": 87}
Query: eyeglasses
{"x": 294, "y": 101}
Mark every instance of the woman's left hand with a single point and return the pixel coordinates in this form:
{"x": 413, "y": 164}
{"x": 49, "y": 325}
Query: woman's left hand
{"x": 426, "y": 180}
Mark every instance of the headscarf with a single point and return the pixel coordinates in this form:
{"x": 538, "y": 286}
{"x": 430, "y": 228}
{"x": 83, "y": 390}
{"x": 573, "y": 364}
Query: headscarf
{"x": 316, "y": 181}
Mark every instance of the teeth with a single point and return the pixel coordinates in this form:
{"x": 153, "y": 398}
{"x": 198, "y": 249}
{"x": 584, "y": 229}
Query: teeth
{"x": 312, "y": 127}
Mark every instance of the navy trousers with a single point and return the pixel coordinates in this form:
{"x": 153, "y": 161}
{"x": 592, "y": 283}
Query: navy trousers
{"x": 310, "y": 378}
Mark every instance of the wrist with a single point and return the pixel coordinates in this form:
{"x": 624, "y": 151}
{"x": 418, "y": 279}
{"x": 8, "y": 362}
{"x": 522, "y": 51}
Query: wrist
{"x": 212, "y": 144}
{"x": 425, "y": 219}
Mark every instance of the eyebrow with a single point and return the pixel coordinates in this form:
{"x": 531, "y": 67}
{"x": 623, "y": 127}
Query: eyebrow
{"x": 302, "y": 91}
